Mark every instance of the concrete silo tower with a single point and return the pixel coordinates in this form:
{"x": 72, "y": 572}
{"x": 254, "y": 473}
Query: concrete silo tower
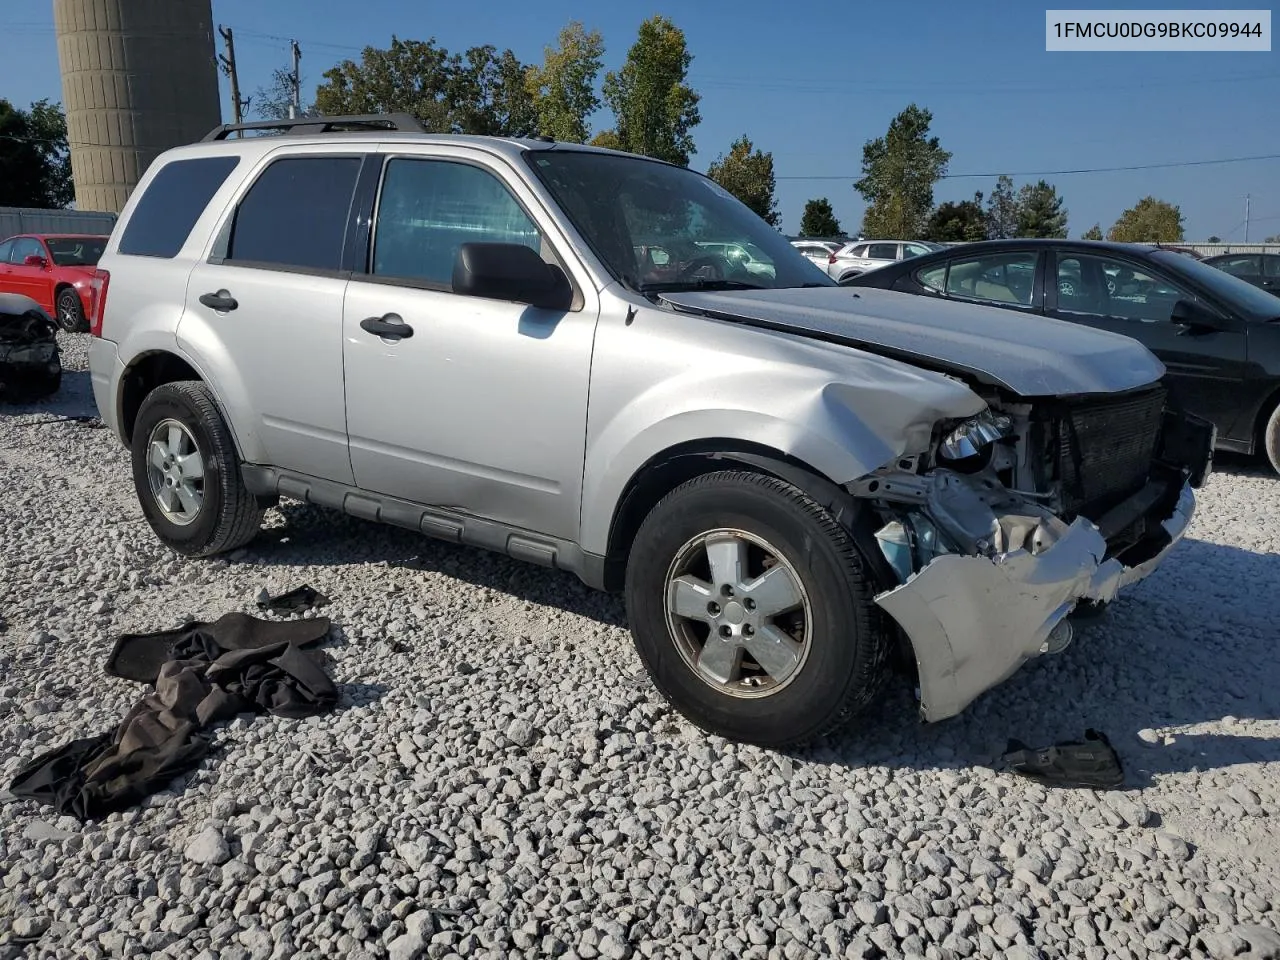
{"x": 138, "y": 77}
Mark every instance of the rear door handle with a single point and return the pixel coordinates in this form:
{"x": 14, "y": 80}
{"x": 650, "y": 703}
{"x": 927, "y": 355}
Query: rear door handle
{"x": 389, "y": 325}
{"x": 221, "y": 301}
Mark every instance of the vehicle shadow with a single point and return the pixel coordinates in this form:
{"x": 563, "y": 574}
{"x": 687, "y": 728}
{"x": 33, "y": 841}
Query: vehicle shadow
{"x": 74, "y": 398}
{"x": 1191, "y": 645}
{"x": 314, "y": 536}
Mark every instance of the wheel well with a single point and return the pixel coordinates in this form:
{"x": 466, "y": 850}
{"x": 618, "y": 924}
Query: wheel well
{"x": 1264, "y": 415}
{"x": 668, "y": 470}
{"x": 144, "y": 375}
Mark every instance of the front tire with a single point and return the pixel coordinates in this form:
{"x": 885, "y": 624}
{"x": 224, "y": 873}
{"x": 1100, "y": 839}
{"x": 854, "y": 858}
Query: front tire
{"x": 71, "y": 311}
{"x": 753, "y": 611}
{"x": 187, "y": 474}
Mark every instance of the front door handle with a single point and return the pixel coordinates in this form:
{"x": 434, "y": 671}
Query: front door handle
{"x": 389, "y": 325}
{"x": 221, "y": 301}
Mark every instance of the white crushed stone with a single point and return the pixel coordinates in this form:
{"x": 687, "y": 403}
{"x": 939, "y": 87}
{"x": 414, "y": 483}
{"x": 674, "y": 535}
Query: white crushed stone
{"x": 494, "y": 784}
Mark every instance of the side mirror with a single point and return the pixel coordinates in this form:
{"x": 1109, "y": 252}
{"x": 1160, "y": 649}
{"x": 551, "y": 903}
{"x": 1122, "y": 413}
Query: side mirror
{"x": 1196, "y": 317}
{"x": 510, "y": 271}
{"x": 34, "y": 260}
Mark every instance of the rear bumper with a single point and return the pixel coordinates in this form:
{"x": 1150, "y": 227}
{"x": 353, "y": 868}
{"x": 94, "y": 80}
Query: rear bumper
{"x": 974, "y": 620}
{"x": 105, "y": 371}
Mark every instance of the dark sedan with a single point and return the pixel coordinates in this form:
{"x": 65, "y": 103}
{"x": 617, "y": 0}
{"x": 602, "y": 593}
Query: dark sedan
{"x": 1218, "y": 336}
{"x": 1260, "y": 269}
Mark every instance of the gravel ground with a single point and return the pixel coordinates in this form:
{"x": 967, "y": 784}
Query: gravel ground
{"x": 499, "y": 781}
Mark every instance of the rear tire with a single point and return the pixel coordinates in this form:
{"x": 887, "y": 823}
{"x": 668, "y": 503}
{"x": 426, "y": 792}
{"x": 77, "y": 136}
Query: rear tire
{"x": 792, "y": 677}
{"x": 187, "y": 473}
{"x": 1271, "y": 439}
{"x": 71, "y": 311}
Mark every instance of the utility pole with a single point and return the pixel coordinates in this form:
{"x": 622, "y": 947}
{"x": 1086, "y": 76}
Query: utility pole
{"x": 228, "y": 62}
{"x": 295, "y": 81}
{"x": 1246, "y": 218}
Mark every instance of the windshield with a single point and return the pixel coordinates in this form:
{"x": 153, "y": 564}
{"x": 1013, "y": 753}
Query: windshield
{"x": 76, "y": 251}
{"x": 664, "y": 228}
{"x": 1252, "y": 302}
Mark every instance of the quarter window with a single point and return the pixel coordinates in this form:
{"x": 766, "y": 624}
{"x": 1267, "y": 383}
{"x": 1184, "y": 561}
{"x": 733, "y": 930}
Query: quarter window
{"x": 998, "y": 278}
{"x": 933, "y": 278}
{"x": 430, "y": 208}
{"x": 1111, "y": 288}
{"x": 295, "y": 214}
{"x": 1271, "y": 266}
{"x": 164, "y": 215}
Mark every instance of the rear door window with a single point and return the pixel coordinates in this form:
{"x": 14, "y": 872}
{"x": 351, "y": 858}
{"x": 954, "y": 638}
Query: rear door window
{"x": 295, "y": 214}
{"x": 1271, "y": 266}
{"x": 1007, "y": 278}
{"x": 171, "y": 205}
{"x": 882, "y": 251}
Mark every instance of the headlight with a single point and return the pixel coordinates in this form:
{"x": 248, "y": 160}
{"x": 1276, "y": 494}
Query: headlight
{"x": 972, "y": 436}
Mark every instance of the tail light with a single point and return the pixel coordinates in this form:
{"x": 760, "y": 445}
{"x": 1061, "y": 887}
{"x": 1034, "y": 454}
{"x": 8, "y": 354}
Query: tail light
{"x": 831, "y": 259}
{"x": 98, "y": 301}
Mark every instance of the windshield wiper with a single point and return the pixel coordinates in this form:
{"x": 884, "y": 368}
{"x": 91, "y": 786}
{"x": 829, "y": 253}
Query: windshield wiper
{"x": 677, "y": 286}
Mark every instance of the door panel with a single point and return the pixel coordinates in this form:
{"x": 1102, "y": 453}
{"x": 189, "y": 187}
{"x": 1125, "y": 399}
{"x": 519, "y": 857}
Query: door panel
{"x": 277, "y": 353}
{"x": 1206, "y": 368}
{"x": 483, "y": 408}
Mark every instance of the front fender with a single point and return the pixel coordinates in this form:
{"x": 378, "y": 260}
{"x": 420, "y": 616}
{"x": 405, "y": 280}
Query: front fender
{"x": 841, "y": 429}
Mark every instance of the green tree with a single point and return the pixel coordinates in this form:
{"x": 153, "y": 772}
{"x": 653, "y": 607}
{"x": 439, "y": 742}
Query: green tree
{"x": 749, "y": 177}
{"x": 271, "y": 102}
{"x": 957, "y": 222}
{"x": 564, "y": 87}
{"x": 1002, "y": 210}
{"x": 1148, "y": 221}
{"x": 653, "y": 106}
{"x": 1093, "y": 233}
{"x": 483, "y": 92}
{"x": 35, "y": 163}
{"x": 898, "y": 174}
{"x": 608, "y": 139}
{"x": 819, "y": 220}
{"x": 1040, "y": 211}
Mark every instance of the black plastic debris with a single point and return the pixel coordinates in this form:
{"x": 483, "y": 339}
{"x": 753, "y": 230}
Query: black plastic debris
{"x": 295, "y": 601}
{"x": 30, "y": 363}
{"x": 1091, "y": 763}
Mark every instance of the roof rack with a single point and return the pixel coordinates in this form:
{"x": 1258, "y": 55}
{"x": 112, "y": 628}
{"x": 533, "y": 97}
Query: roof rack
{"x": 400, "y": 122}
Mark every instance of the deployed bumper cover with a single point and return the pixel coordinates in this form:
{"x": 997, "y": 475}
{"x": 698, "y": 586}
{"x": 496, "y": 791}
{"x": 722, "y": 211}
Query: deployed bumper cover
{"x": 974, "y": 620}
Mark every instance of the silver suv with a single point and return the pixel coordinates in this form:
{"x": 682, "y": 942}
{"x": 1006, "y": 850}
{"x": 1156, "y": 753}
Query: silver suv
{"x": 538, "y": 348}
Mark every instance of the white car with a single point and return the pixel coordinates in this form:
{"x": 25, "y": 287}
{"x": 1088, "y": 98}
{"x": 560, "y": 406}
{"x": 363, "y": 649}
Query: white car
{"x": 860, "y": 256}
{"x": 818, "y": 252}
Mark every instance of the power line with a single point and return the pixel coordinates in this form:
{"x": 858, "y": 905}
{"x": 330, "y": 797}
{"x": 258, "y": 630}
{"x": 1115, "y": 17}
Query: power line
{"x": 1061, "y": 173}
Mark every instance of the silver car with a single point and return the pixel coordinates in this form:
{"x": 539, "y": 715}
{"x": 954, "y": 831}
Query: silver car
{"x": 862, "y": 256}
{"x": 818, "y": 252}
{"x": 539, "y": 349}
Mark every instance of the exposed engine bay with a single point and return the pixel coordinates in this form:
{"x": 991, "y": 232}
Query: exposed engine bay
{"x": 1019, "y": 514}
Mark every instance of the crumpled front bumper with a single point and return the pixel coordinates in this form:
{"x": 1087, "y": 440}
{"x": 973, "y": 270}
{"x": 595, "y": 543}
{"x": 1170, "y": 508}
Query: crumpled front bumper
{"x": 974, "y": 620}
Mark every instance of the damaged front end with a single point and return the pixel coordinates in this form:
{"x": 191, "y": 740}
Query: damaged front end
{"x": 1022, "y": 515}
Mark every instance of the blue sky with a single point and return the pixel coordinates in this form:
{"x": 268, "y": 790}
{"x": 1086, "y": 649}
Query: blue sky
{"x": 812, "y": 84}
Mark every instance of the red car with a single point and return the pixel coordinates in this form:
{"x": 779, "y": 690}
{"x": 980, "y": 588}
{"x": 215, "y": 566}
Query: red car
{"x": 54, "y": 271}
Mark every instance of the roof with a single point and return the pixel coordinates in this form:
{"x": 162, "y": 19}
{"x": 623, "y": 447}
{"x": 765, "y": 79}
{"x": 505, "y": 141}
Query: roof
{"x": 55, "y": 236}
{"x": 509, "y": 147}
{"x": 1112, "y": 245}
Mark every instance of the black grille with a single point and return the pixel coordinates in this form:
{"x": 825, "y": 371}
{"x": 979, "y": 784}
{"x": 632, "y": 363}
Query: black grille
{"x": 1104, "y": 448}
